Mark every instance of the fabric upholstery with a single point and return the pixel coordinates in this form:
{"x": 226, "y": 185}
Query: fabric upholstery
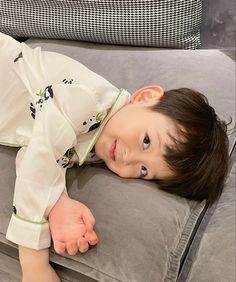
{"x": 139, "y": 227}
{"x": 166, "y": 23}
{"x": 144, "y": 232}
{"x": 217, "y": 248}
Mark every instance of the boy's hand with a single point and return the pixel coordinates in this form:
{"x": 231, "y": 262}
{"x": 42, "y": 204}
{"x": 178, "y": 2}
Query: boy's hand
{"x": 71, "y": 225}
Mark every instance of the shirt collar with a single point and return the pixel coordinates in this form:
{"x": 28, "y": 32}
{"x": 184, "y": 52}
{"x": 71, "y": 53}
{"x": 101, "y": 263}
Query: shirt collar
{"x": 83, "y": 148}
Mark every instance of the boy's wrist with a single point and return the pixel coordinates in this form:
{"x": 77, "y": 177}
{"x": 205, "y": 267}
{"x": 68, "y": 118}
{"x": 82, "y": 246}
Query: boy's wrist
{"x": 33, "y": 259}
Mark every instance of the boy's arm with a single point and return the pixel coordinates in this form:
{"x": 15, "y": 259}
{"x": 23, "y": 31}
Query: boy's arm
{"x": 35, "y": 265}
{"x": 40, "y": 178}
{"x": 40, "y": 173}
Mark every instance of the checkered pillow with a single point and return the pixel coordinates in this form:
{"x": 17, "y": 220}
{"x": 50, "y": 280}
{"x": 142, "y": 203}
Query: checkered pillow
{"x": 157, "y": 23}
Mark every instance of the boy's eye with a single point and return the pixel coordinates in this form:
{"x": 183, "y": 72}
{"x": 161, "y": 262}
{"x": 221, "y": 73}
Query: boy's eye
{"x": 144, "y": 171}
{"x": 146, "y": 142}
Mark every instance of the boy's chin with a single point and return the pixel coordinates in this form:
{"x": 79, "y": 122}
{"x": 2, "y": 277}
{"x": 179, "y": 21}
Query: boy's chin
{"x": 111, "y": 168}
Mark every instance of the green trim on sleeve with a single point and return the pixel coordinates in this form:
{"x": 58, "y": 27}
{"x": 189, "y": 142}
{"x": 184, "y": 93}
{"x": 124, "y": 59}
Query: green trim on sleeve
{"x": 29, "y": 221}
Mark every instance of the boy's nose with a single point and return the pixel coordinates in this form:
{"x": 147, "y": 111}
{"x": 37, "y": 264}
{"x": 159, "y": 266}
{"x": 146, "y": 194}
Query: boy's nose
{"x": 131, "y": 157}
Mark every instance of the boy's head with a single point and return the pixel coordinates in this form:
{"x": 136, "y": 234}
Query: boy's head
{"x": 174, "y": 137}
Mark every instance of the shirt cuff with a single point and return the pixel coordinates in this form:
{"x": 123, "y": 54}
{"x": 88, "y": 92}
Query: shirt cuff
{"x": 31, "y": 235}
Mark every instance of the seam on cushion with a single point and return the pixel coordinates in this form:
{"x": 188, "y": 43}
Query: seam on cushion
{"x": 175, "y": 255}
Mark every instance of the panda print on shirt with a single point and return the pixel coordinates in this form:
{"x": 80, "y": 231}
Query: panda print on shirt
{"x": 89, "y": 125}
{"x": 92, "y": 123}
{"x": 18, "y": 57}
{"x": 66, "y": 81}
{"x": 64, "y": 161}
{"x": 44, "y": 95}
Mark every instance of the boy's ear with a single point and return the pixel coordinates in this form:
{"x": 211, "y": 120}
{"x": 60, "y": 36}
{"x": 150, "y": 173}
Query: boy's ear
{"x": 147, "y": 94}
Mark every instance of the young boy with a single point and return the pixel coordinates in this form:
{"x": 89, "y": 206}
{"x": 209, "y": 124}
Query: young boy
{"x": 61, "y": 114}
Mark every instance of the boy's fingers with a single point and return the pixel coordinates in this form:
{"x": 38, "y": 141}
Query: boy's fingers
{"x": 82, "y": 245}
{"x": 91, "y": 237}
{"x": 89, "y": 220}
{"x": 72, "y": 248}
{"x": 59, "y": 247}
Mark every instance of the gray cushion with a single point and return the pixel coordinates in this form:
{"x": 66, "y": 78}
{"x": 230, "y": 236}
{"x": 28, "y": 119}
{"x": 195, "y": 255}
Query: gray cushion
{"x": 217, "y": 247}
{"x": 144, "y": 232}
{"x": 166, "y": 23}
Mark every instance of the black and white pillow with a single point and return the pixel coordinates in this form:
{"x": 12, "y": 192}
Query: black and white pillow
{"x": 156, "y": 23}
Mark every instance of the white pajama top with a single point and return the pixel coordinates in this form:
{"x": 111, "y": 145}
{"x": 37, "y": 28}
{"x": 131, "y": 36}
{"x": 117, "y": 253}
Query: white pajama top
{"x": 55, "y": 109}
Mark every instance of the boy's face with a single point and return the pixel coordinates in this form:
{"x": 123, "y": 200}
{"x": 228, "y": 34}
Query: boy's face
{"x": 132, "y": 143}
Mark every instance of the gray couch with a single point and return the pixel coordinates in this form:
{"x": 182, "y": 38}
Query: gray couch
{"x": 145, "y": 234}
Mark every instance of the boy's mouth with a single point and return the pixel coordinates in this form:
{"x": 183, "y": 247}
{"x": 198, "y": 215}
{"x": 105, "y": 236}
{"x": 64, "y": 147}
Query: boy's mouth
{"x": 112, "y": 151}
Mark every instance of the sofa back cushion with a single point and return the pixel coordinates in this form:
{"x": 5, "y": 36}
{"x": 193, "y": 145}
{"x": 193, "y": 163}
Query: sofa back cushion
{"x": 165, "y": 23}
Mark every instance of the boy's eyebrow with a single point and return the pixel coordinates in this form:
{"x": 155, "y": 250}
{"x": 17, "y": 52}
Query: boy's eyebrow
{"x": 159, "y": 141}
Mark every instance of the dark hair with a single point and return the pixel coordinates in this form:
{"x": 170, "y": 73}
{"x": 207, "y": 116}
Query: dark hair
{"x": 199, "y": 159}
